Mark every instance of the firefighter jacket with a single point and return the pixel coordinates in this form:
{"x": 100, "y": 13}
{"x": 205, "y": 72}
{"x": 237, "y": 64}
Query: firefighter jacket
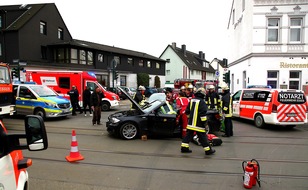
{"x": 212, "y": 100}
{"x": 167, "y": 109}
{"x": 226, "y": 102}
{"x": 196, "y": 111}
{"x": 139, "y": 98}
{"x": 181, "y": 103}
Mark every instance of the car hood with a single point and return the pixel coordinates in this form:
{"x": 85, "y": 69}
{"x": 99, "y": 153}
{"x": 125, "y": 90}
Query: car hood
{"x": 56, "y": 99}
{"x": 131, "y": 99}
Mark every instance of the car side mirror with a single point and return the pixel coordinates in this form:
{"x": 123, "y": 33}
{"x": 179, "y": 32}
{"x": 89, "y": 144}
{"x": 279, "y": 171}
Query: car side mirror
{"x": 35, "y": 133}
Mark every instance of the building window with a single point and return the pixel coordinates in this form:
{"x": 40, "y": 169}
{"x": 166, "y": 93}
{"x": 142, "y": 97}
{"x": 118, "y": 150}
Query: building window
{"x": 140, "y": 63}
{"x": 90, "y": 58}
{"x": 296, "y": 30}
{"x": 273, "y": 30}
{"x": 74, "y": 56}
{"x": 100, "y": 57}
{"x": 43, "y": 52}
{"x": 123, "y": 80}
{"x": 149, "y": 64}
{"x": 60, "y": 33}
{"x": 43, "y": 27}
{"x": 117, "y": 59}
{"x": 294, "y": 80}
{"x": 82, "y": 57}
{"x": 130, "y": 61}
{"x": 157, "y": 66}
{"x": 272, "y": 78}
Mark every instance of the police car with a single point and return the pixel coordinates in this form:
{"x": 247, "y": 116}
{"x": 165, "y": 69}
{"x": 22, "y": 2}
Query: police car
{"x": 40, "y": 100}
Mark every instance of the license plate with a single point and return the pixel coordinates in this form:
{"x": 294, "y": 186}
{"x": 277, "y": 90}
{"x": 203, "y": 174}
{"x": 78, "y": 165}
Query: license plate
{"x": 291, "y": 114}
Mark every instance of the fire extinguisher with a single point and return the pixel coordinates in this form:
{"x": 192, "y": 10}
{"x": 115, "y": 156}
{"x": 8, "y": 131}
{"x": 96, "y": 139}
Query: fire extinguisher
{"x": 251, "y": 173}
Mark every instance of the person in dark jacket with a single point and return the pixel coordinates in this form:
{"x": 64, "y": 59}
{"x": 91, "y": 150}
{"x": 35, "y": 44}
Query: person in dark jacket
{"x": 86, "y": 101}
{"x": 139, "y": 97}
{"x": 96, "y": 105}
{"x": 74, "y": 97}
{"x": 226, "y": 101}
{"x": 196, "y": 111}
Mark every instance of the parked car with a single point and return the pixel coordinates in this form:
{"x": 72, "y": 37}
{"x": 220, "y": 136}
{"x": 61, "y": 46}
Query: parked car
{"x": 149, "y": 91}
{"x": 129, "y": 90}
{"x": 147, "y": 119}
{"x": 117, "y": 91}
{"x": 161, "y": 90}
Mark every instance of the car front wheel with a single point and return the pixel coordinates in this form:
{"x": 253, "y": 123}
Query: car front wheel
{"x": 128, "y": 131}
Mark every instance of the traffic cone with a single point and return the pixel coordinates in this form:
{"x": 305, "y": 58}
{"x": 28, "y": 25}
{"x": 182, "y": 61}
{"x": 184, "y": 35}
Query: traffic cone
{"x": 74, "y": 154}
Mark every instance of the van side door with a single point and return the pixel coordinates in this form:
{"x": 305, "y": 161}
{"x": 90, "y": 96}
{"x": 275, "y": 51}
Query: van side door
{"x": 236, "y": 103}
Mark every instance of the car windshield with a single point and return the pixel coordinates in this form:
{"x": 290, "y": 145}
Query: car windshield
{"x": 147, "y": 108}
{"x": 43, "y": 91}
{"x": 4, "y": 75}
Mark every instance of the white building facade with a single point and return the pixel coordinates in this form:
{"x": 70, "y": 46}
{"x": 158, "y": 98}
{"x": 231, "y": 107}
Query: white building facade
{"x": 268, "y": 44}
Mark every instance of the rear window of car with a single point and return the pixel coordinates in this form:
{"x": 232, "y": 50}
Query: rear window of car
{"x": 291, "y": 97}
{"x": 255, "y": 95}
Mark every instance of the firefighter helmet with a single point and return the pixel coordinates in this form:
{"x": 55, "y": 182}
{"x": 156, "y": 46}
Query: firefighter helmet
{"x": 183, "y": 88}
{"x": 211, "y": 87}
{"x": 190, "y": 86}
{"x": 141, "y": 87}
{"x": 224, "y": 86}
{"x": 201, "y": 91}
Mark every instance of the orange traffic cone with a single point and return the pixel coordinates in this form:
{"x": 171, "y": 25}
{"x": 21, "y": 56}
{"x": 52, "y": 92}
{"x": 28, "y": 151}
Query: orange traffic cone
{"x": 74, "y": 154}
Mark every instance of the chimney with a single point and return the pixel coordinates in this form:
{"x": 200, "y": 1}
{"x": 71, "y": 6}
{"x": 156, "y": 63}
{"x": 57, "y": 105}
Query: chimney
{"x": 200, "y": 54}
{"x": 173, "y": 45}
{"x": 184, "y": 49}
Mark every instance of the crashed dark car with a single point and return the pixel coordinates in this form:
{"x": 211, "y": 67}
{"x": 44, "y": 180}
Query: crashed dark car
{"x": 148, "y": 119}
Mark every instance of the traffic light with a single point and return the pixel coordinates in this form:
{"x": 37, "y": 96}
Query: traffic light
{"x": 15, "y": 72}
{"x": 115, "y": 74}
{"x": 226, "y": 77}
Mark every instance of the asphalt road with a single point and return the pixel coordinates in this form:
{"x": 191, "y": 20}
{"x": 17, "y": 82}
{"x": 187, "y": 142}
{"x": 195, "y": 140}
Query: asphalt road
{"x": 111, "y": 163}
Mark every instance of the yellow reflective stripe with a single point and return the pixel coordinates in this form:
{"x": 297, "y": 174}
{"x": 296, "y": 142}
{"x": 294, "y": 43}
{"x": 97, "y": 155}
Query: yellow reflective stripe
{"x": 194, "y": 122}
{"x": 225, "y": 108}
{"x": 207, "y": 148}
{"x": 51, "y": 110}
{"x": 204, "y": 118}
{"x": 195, "y": 128}
{"x": 163, "y": 109}
{"x": 185, "y": 145}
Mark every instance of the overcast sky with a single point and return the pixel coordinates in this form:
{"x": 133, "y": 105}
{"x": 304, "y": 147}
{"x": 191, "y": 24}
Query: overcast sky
{"x": 147, "y": 25}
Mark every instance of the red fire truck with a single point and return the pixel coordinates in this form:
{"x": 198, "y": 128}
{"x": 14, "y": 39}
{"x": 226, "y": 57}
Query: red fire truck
{"x": 6, "y": 91}
{"x": 62, "y": 81}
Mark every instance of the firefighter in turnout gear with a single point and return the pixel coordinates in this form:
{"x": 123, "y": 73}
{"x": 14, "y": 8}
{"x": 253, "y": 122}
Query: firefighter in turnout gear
{"x": 227, "y": 110}
{"x": 212, "y": 98}
{"x": 139, "y": 97}
{"x": 196, "y": 111}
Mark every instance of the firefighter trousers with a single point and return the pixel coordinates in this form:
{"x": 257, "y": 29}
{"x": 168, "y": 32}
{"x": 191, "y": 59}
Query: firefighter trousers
{"x": 201, "y": 135}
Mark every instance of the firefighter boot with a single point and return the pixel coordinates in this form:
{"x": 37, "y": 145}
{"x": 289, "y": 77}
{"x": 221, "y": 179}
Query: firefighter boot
{"x": 210, "y": 151}
{"x": 185, "y": 150}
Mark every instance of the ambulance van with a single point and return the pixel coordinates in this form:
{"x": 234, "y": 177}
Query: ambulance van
{"x": 13, "y": 173}
{"x": 283, "y": 107}
{"x": 62, "y": 81}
